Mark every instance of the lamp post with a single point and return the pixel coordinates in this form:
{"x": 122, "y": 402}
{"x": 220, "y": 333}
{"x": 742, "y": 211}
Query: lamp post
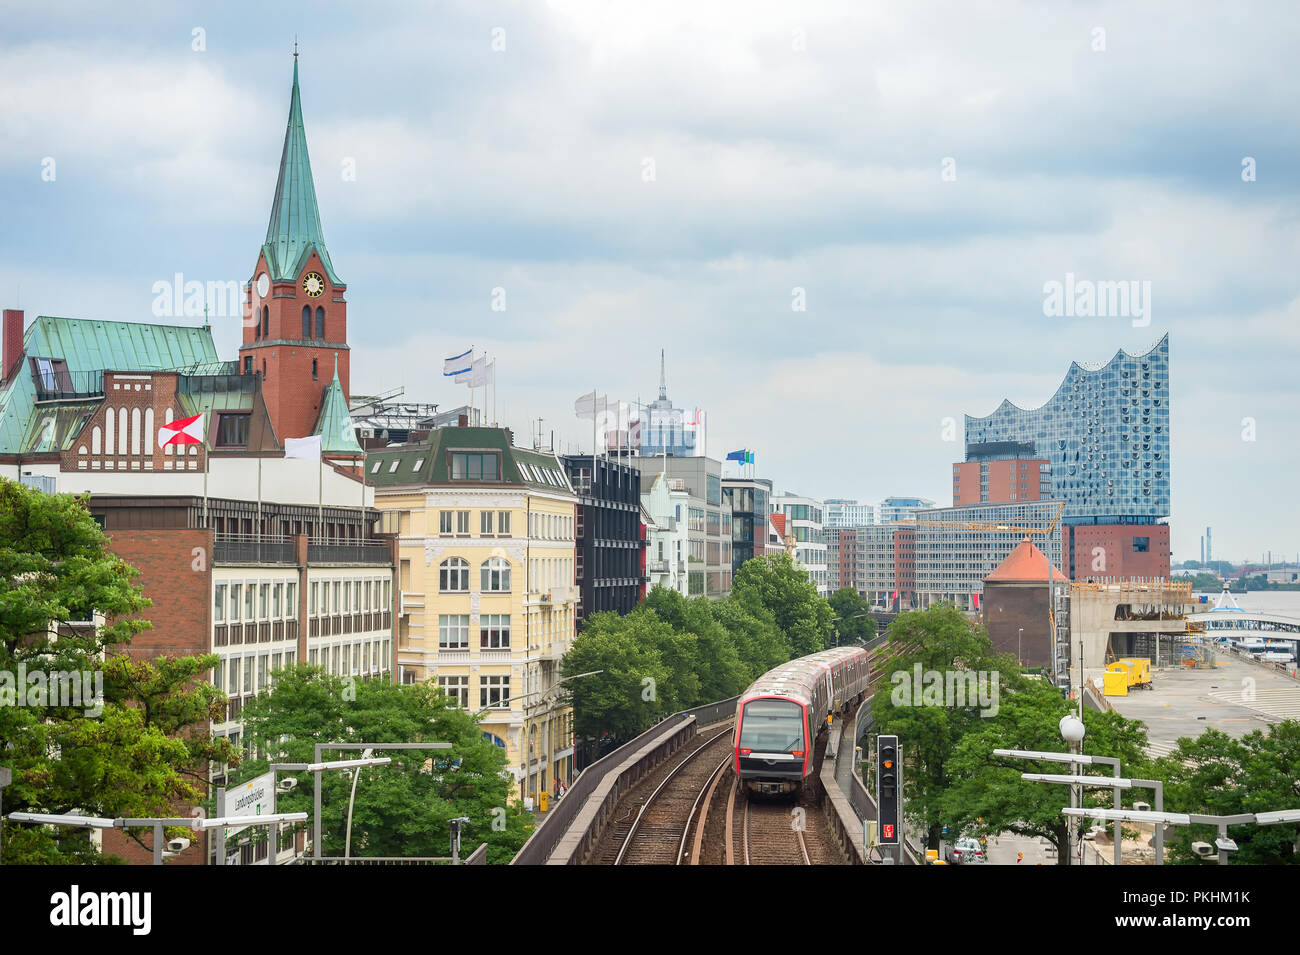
{"x": 1072, "y": 731}
{"x": 1020, "y": 646}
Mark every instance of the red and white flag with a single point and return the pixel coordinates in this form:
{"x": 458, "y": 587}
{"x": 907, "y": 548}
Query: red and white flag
{"x": 182, "y": 431}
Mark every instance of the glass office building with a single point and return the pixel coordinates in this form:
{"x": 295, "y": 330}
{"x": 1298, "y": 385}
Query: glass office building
{"x": 1106, "y": 434}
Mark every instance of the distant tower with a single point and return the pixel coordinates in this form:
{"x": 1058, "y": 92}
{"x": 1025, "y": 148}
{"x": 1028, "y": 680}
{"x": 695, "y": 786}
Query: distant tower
{"x": 663, "y": 380}
{"x": 1202, "y": 550}
{"x": 1209, "y": 547}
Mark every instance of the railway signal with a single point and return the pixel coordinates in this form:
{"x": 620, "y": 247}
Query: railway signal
{"x": 887, "y": 790}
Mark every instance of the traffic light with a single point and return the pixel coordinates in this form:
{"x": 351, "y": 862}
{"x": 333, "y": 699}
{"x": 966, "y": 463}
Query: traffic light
{"x": 887, "y": 789}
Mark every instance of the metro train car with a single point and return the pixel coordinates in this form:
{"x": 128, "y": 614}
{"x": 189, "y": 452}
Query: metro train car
{"x": 779, "y": 717}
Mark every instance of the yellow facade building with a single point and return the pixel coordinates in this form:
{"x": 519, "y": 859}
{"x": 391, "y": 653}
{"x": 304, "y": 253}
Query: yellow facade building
{"x": 486, "y": 594}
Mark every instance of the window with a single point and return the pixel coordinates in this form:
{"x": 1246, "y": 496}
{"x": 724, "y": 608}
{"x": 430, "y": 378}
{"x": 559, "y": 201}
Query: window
{"x": 495, "y": 572}
{"x": 393, "y": 467}
{"x": 234, "y": 601}
{"x": 263, "y": 599}
{"x": 248, "y": 602}
{"x": 315, "y": 593}
{"x": 485, "y": 523}
{"x": 219, "y": 603}
{"x": 374, "y": 468}
{"x": 248, "y": 674}
{"x": 320, "y": 322}
{"x": 462, "y": 523}
{"x": 367, "y": 602}
{"x": 266, "y": 322}
{"x": 232, "y": 676}
{"x": 347, "y": 598}
{"x": 473, "y": 467}
{"x": 337, "y": 588}
{"x": 494, "y": 631}
{"x": 356, "y": 596}
{"x": 306, "y": 331}
{"x": 261, "y": 672}
{"x": 232, "y": 430}
{"x": 453, "y": 631}
{"x": 457, "y": 688}
{"x": 313, "y": 370}
{"x": 419, "y": 463}
{"x": 493, "y": 690}
{"x": 277, "y": 601}
{"x": 248, "y": 364}
{"x": 444, "y": 522}
{"x": 453, "y": 575}
{"x": 291, "y": 599}
{"x": 503, "y": 523}
{"x": 1141, "y": 545}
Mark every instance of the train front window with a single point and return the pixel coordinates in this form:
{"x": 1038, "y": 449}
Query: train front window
{"x": 772, "y": 726}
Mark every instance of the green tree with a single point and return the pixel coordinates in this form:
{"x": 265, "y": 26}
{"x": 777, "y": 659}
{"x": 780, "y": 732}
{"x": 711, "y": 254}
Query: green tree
{"x": 852, "y": 621}
{"x": 136, "y": 752}
{"x": 784, "y": 590}
{"x": 1219, "y": 775}
{"x": 716, "y": 658}
{"x": 985, "y": 795}
{"x": 404, "y": 808}
{"x": 624, "y": 697}
{"x": 760, "y": 644}
{"x": 943, "y": 641}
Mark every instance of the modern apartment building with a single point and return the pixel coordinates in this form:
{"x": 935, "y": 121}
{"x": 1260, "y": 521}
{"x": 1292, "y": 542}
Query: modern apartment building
{"x": 804, "y": 522}
{"x": 708, "y": 519}
{"x": 668, "y": 544}
{"x": 895, "y": 509}
{"x": 1105, "y": 437}
{"x": 487, "y": 605}
{"x": 751, "y": 505}
{"x": 839, "y": 512}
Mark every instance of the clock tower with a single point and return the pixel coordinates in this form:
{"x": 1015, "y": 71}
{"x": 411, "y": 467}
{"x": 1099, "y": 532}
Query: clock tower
{"x": 295, "y": 312}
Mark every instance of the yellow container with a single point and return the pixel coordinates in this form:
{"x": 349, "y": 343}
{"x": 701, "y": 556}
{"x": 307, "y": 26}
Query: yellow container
{"x": 1140, "y": 668}
{"x": 543, "y": 800}
{"x": 1117, "y": 677}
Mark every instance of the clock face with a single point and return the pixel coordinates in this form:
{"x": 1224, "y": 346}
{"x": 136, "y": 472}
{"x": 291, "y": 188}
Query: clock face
{"x": 313, "y": 284}
{"x": 263, "y": 285}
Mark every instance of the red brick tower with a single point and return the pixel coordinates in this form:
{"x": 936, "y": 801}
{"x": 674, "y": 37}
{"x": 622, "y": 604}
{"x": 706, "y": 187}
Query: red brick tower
{"x": 295, "y": 313}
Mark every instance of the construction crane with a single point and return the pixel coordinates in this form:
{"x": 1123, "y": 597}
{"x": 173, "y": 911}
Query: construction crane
{"x": 1014, "y": 529}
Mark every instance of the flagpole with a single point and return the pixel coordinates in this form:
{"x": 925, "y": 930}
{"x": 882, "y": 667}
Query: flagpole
{"x": 320, "y": 496}
{"x": 206, "y": 463}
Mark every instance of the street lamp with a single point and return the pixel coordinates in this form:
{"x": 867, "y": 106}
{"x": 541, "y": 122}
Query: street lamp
{"x": 1072, "y": 731}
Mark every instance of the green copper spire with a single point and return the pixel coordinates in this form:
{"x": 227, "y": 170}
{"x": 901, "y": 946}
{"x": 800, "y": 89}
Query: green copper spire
{"x": 294, "y": 229}
{"x": 337, "y": 435}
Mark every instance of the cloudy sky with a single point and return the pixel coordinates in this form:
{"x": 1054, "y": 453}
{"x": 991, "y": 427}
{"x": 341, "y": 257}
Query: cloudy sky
{"x": 666, "y": 175}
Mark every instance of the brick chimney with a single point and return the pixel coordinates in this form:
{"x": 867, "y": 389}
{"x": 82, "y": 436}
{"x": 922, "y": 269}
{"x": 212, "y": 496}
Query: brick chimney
{"x": 13, "y": 342}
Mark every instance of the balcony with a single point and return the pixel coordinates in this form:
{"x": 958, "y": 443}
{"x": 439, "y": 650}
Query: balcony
{"x": 253, "y": 549}
{"x": 354, "y": 552}
{"x": 58, "y": 384}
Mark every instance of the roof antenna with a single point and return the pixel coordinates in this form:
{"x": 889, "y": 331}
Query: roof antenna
{"x": 295, "y": 46}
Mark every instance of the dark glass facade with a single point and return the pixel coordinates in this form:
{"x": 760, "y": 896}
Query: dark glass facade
{"x": 609, "y": 560}
{"x": 751, "y": 506}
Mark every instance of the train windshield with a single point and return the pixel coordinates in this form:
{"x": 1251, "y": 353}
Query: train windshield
{"x": 772, "y": 726}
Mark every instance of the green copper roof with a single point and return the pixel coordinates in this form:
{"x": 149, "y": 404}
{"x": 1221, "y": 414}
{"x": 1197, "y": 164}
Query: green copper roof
{"x": 337, "y": 433}
{"x": 88, "y": 346}
{"x": 294, "y": 229}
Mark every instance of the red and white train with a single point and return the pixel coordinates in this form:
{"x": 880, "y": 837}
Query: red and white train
{"x": 779, "y": 717}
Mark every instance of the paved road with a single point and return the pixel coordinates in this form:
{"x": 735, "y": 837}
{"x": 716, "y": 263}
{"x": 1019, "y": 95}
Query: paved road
{"x": 1002, "y": 850}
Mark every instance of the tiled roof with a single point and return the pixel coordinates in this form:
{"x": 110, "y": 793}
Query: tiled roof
{"x": 1024, "y": 564}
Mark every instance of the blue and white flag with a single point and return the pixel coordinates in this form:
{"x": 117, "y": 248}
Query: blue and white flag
{"x": 458, "y": 364}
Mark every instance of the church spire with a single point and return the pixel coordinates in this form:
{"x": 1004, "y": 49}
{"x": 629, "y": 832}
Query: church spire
{"x": 294, "y": 228}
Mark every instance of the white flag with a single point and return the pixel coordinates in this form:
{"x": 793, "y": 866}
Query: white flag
{"x": 478, "y": 377}
{"x": 307, "y": 448}
{"x": 457, "y": 364}
{"x": 588, "y": 406}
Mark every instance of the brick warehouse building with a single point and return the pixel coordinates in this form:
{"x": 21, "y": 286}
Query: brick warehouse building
{"x": 260, "y": 559}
